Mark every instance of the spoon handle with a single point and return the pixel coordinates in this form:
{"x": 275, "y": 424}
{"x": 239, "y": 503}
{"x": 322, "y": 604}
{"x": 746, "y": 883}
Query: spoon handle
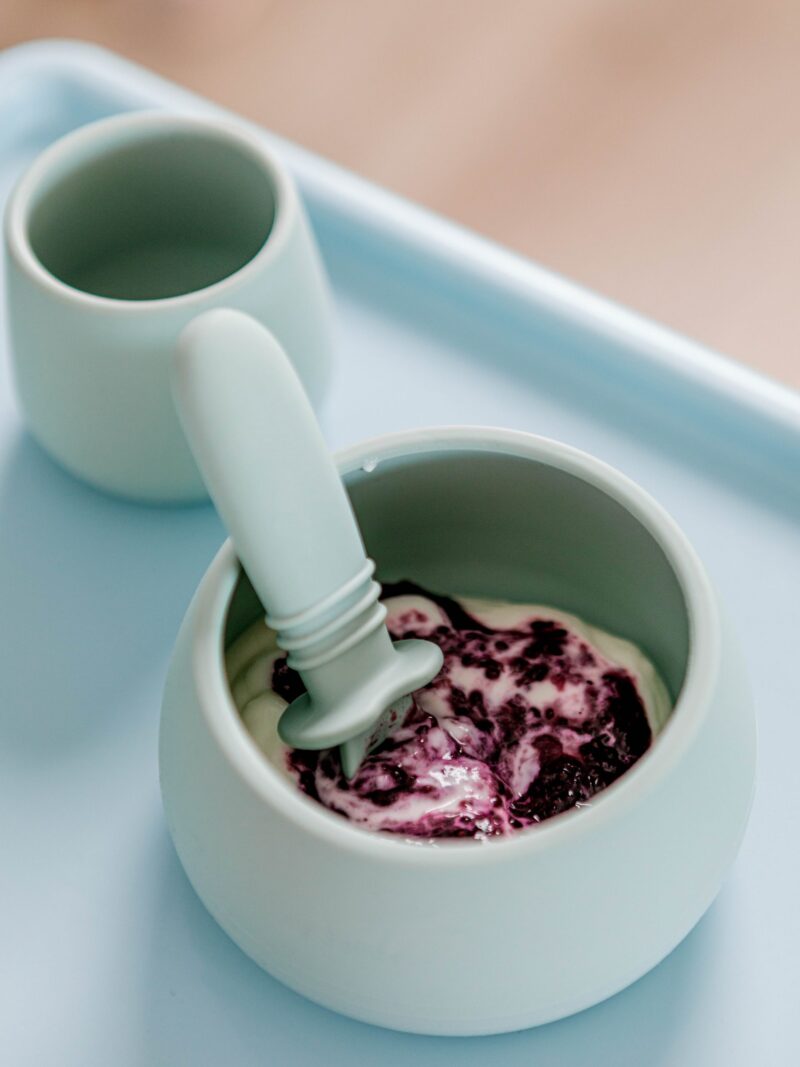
{"x": 275, "y": 485}
{"x": 267, "y": 468}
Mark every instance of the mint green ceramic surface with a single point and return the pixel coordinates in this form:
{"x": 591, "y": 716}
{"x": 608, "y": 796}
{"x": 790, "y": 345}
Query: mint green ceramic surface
{"x": 116, "y": 237}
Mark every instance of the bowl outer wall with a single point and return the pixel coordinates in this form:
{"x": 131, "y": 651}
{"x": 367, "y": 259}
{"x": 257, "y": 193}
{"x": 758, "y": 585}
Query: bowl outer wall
{"x": 464, "y": 938}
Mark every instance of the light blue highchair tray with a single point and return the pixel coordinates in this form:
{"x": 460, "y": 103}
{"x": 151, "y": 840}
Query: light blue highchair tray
{"x": 110, "y": 957}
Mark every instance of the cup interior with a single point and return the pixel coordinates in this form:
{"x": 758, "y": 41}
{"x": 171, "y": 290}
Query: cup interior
{"x": 158, "y": 212}
{"x": 489, "y": 524}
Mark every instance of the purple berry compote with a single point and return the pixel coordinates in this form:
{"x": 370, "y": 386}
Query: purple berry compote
{"x": 532, "y": 714}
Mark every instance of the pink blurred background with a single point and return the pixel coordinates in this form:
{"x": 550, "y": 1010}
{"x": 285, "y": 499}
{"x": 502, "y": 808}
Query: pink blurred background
{"x": 650, "y": 150}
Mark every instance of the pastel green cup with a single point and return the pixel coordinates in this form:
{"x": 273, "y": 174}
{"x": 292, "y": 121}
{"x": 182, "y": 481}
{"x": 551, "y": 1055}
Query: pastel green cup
{"x": 116, "y": 237}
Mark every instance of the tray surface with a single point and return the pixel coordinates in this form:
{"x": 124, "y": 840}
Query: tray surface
{"x": 109, "y": 955}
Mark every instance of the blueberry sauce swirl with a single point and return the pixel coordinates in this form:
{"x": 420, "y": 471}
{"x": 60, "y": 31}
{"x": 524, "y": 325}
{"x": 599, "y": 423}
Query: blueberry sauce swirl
{"x": 523, "y": 722}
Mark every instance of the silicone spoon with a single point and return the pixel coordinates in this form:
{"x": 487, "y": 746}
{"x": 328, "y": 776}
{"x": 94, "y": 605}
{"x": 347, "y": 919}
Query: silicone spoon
{"x": 266, "y": 466}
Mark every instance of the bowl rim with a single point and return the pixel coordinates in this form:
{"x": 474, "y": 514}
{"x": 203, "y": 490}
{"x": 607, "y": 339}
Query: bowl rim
{"x": 692, "y": 707}
{"x": 86, "y": 144}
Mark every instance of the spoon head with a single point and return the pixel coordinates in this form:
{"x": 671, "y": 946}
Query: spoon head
{"x": 353, "y": 752}
{"x": 314, "y": 721}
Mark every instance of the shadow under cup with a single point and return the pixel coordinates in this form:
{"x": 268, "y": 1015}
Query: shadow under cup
{"x": 495, "y": 525}
{"x": 170, "y": 213}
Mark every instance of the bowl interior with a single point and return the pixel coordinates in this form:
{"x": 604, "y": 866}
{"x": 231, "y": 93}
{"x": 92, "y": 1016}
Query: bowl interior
{"x": 489, "y": 524}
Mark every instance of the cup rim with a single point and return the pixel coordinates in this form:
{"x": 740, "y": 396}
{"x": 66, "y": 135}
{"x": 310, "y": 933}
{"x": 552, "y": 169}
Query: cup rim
{"x": 140, "y": 126}
{"x": 691, "y": 707}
